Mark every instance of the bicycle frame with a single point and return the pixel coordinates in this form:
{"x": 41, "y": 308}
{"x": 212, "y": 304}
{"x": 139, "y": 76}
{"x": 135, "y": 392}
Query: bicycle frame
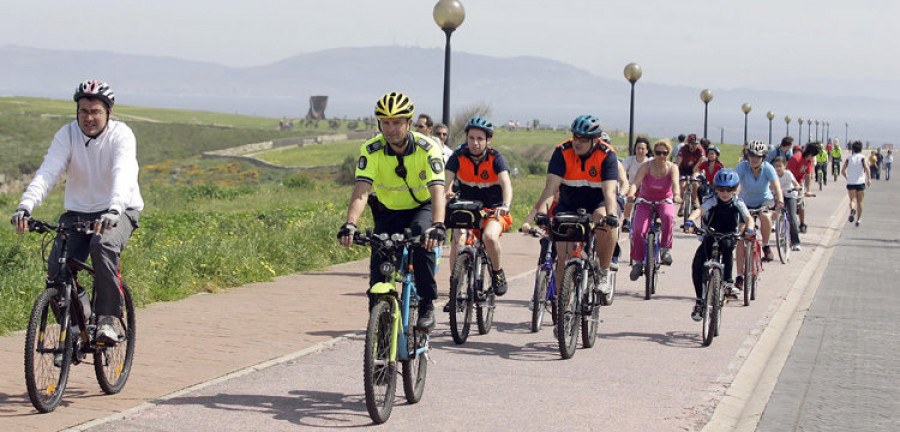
{"x": 387, "y": 291}
{"x": 549, "y": 264}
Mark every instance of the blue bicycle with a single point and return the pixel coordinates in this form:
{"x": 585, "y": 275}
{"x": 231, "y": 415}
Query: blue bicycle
{"x": 544, "y": 296}
{"x": 390, "y": 338}
{"x": 651, "y": 247}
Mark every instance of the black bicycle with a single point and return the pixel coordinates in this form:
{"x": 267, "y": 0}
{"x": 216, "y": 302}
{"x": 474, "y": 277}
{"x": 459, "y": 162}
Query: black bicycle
{"x": 58, "y": 313}
{"x": 714, "y": 286}
{"x": 472, "y": 290}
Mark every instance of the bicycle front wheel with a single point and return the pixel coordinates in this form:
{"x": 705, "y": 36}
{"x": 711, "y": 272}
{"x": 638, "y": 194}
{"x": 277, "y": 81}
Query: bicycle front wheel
{"x": 485, "y": 309}
{"x": 461, "y": 300}
{"x": 415, "y": 368}
{"x": 48, "y": 353}
{"x": 379, "y": 369}
{"x": 782, "y": 238}
{"x": 112, "y": 365}
{"x": 590, "y": 322}
{"x": 650, "y": 265}
{"x": 539, "y": 300}
{"x": 749, "y": 257}
{"x": 710, "y": 319}
{"x": 567, "y": 321}
{"x": 687, "y": 202}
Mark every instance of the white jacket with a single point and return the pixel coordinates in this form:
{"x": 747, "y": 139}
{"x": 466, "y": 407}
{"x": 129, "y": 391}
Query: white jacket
{"x": 102, "y": 172}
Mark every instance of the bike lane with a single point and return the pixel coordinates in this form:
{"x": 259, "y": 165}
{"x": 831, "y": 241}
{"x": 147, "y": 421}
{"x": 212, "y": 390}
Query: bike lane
{"x": 302, "y": 333}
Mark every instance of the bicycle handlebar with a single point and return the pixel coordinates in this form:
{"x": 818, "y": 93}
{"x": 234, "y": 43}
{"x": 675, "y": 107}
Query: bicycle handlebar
{"x": 39, "y": 226}
{"x": 641, "y": 200}
{"x": 385, "y": 240}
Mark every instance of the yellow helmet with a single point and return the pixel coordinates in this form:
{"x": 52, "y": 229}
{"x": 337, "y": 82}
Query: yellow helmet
{"x": 394, "y": 105}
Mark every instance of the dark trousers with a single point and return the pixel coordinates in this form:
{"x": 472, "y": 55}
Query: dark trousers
{"x": 104, "y": 250}
{"x": 791, "y": 205}
{"x": 395, "y": 221}
{"x": 698, "y": 273}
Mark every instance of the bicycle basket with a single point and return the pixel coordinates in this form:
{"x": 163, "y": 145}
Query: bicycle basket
{"x": 464, "y": 214}
{"x": 570, "y": 228}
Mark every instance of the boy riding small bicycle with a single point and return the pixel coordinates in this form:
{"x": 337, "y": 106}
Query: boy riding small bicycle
{"x": 723, "y": 213}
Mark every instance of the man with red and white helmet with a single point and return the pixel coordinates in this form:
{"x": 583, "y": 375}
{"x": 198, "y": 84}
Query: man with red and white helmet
{"x": 101, "y": 187}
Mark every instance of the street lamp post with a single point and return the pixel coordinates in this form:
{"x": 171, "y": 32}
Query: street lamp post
{"x": 633, "y": 73}
{"x": 448, "y": 15}
{"x": 770, "y": 115}
{"x": 846, "y": 128}
{"x": 828, "y": 131}
{"x": 787, "y": 126}
{"x": 746, "y": 109}
{"x": 800, "y": 131}
{"x": 706, "y": 95}
{"x": 722, "y": 137}
{"x": 808, "y": 130}
{"x": 817, "y": 131}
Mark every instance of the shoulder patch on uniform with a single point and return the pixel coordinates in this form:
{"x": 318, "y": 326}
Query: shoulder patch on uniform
{"x": 437, "y": 164}
{"x": 362, "y": 163}
{"x": 422, "y": 142}
{"x": 374, "y": 147}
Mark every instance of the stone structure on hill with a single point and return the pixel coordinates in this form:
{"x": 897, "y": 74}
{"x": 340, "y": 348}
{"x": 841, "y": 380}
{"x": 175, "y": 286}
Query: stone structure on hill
{"x": 317, "y": 106}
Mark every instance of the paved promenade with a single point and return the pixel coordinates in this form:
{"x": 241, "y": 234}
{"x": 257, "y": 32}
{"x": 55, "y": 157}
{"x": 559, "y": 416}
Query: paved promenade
{"x": 286, "y": 355}
{"x": 843, "y": 373}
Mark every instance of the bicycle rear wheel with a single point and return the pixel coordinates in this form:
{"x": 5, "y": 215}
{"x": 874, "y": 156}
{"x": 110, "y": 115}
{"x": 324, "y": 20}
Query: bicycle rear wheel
{"x": 46, "y": 339}
{"x": 650, "y": 271}
{"x": 687, "y": 202}
{"x": 415, "y": 368}
{"x": 112, "y": 365}
{"x": 485, "y": 309}
{"x": 567, "y": 321}
{"x": 590, "y": 322}
{"x": 539, "y": 299}
{"x": 379, "y": 371}
{"x": 782, "y": 237}
{"x": 461, "y": 300}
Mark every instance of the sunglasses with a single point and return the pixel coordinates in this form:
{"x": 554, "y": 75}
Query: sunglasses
{"x": 660, "y": 152}
{"x": 418, "y": 126}
{"x": 724, "y": 189}
{"x": 441, "y": 133}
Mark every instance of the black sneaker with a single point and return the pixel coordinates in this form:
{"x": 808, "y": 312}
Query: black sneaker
{"x": 636, "y": 271}
{"x": 697, "y": 314}
{"x": 447, "y": 307}
{"x": 426, "y": 317}
{"x": 852, "y": 215}
{"x": 803, "y": 228}
{"x": 767, "y": 254}
{"x": 626, "y": 224}
{"x": 499, "y": 280}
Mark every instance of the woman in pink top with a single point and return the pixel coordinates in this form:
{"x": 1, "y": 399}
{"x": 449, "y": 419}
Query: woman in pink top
{"x": 655, "y": 181}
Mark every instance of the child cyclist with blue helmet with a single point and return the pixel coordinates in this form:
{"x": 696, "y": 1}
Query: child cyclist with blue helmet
{"x": 723, "y": 213}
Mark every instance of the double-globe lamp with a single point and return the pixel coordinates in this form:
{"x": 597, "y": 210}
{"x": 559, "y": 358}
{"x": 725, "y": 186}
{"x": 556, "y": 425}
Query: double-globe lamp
{"x": 448, "y": 15}
{"x": 633, "y": 73}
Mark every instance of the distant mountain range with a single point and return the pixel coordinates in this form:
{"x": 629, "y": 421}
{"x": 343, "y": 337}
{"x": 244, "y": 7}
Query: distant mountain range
{"x": 521, "y": 88}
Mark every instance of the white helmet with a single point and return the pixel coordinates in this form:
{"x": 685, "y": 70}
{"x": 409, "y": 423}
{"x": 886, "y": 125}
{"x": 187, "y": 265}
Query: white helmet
{"x": 757, "y": 148}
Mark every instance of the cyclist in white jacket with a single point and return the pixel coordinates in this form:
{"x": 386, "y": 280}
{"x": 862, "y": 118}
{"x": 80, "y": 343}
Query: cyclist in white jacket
{"x": 99, "y": 156}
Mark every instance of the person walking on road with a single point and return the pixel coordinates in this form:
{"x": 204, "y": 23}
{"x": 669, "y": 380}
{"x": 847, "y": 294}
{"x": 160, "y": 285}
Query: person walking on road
{"x": 406, "y": 170}
{"x": 101, "y": 187}
{"x": 888, "y": 160}
{"x": 856, "y": 171}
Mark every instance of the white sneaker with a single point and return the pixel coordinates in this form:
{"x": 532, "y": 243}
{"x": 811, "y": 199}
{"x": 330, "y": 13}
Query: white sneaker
{"x": 106, "y": 333}
{"x": 603, "y": 282}
{"x": 795, "y": 248}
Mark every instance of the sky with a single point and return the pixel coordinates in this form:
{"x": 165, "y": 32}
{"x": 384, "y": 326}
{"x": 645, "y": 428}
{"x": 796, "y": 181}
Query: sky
{"x": 715, "y": 44}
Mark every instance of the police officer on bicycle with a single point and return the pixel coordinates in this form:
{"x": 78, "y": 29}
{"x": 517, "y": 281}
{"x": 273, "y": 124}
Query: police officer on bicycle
{"x": 101, "y": 187}
{"x": 406, "y": 171}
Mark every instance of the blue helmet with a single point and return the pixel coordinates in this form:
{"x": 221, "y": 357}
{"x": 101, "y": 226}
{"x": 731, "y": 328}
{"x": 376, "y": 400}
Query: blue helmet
{"x": 726, "y": 177}
{"x": 587, "y": 125}
{"x": 713, "y": 148}
{"x": 481, "y": 123}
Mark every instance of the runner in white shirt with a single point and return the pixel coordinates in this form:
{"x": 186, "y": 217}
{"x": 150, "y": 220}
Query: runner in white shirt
{"x": 101, "y": 187}
{"x": 856, "y": 171}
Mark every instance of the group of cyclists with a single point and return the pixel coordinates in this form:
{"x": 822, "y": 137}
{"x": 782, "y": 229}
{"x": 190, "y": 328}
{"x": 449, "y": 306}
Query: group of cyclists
{"x": 403, "y": 177}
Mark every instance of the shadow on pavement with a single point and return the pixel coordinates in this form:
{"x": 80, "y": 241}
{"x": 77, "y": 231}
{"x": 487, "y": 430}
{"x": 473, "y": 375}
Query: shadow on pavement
{"x": 670, "y": 339}
{"x": 303, "y": 407}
